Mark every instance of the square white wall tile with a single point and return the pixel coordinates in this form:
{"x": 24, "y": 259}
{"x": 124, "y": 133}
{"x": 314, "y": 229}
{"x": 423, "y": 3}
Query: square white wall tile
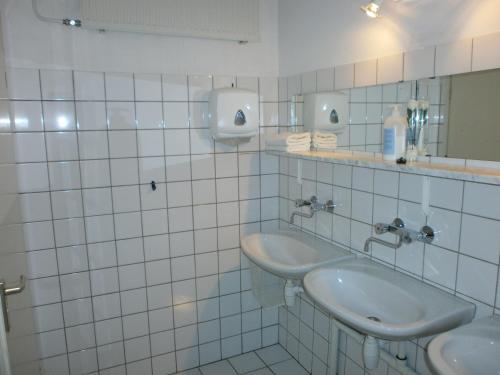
{"x": 119, "y": 86}
{"x": 23, "y": 83}
{"x": 419, "y": 63}
{"x": 66, "y": 204}
{"x": 91, "y": 116}
{"x": 454, "y": 58}
{"x": 446, "y": 225}
{"x": 365, "y": 73}
{"x": 446, "y": 193}
{"x": 121, "y": 115}
{"x": 93, "y": 145}
{"x": 250, "y": 83}
{"x": 89, "y": 85}
{"x": 390, "y": 69}
{"x": 72, "y": 259}
{"x": 478, "y": 198}
{"x": 199, "y": 87}
{"x": 95, "y": 173}
{"x": 148, "y": 87}
{"x": 344, "y": 77}
{"x": 309, "y": 82}
{"x": 57, "y": 84}
{"x": 325, "y": 80}
{"x": 480, "y": 238}
{"x": 475, "y": 278}
{"x": 149, "y": 115}
{"x": 485, "y": 53}
{"x": 440, "y": 266}
{"x": 62, "y": 146}
{"x": 59, "y": 115}
{"x": 176, "y": 115}
{"x": 174, "y": 87}
{"x": 26, "y": 115}
{"x": 30, "y": 147}
{"x": 151, "y": 169}
{"x": 35, "y": 206}
{"x": 64, "y": 175}
{"x": 31, "y": 177}
{"x": 268, "y": 87}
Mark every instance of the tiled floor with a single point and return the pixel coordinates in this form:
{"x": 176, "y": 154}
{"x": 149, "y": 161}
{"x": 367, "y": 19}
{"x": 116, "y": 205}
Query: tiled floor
{"x": 267, "y": 361}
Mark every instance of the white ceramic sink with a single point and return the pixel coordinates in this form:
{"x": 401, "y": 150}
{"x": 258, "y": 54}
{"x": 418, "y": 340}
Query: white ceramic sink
{"x": 469, "y": 350}
{"x": 358, "y": 292}
{"x": 290, "y": 254}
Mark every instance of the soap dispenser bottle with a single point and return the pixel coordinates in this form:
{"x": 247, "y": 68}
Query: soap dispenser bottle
{"x": 395, "y": 135}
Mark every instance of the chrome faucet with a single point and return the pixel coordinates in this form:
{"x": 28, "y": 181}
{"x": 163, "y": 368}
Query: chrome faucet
{"x": 407, "y": 236}
{"x": 314, "y": 206}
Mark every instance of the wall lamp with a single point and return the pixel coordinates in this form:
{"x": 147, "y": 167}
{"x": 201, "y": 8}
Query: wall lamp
{"x": 372, "y": 9}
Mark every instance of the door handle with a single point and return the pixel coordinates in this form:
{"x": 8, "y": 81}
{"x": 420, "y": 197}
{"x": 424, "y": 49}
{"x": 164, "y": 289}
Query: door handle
{"x": 7, "y": 291}
{"x": 13, "y": 289}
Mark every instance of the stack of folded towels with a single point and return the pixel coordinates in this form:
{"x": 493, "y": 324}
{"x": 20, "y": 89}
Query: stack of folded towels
{"x": 324, "y": 141}
{"x": 289, "y": 142}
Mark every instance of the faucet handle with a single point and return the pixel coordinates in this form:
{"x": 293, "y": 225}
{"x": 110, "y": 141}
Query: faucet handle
{"x": 301, "y": 203}
{"x": 426, "y": 234}
{"x": 329, "y": 206}
{"x": 398, "y": 223}
{"x": 381, "y": 228}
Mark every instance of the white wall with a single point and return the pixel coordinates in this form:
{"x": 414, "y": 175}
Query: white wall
{"x": 31, "y": 43}
{"x": 322, "y": 33}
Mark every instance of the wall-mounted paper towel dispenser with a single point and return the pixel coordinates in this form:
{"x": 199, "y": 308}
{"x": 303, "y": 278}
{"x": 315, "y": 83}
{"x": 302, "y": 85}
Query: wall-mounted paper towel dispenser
{"x": 326, "y": 111}
{"x": 233, "y": 115}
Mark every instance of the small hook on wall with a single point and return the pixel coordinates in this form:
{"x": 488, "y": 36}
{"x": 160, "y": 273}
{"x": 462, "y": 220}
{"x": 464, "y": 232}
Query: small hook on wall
{"x": 153, "y": 185}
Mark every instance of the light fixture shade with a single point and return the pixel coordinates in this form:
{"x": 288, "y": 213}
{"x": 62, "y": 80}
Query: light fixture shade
{"x": 372, "y": 8}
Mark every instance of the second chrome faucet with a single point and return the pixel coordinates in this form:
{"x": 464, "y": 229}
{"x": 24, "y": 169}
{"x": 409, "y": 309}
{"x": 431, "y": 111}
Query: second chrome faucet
{"x": 313, "y": 205}
{"x": 405, "y": 235}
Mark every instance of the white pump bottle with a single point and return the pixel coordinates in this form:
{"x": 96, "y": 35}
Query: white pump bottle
{"x": 395, "y": 127}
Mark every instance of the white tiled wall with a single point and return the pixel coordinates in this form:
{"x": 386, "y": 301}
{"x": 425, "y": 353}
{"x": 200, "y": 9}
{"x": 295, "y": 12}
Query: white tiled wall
{"x": 22, "y": 344}
{"x": 463, "y": 259}
{"x": 126, "y": 278}
{"x": 369, "y": 106}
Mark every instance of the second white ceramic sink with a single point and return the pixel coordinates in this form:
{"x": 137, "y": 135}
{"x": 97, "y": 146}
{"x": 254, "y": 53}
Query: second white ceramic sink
{"x": 469, "y": 350}
{"x": 290, "y": 254}
{"x": 383, "y": 303}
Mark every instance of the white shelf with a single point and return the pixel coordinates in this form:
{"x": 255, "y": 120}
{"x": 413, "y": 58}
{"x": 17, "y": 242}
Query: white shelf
{"x": 458, "y": 169}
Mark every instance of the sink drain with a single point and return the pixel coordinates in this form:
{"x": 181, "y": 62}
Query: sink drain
{"x": 374, "y": 318}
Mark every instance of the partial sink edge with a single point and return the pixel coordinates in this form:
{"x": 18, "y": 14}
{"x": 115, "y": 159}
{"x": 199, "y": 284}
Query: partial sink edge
{"x": 435, "y": 357}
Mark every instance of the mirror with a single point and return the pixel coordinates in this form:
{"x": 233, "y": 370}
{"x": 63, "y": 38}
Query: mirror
{"x": 473, "y": 121}
{"x": 460, "y": 115}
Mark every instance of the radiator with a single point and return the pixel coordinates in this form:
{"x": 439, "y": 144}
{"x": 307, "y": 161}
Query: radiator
{"x": 216, "y": 19}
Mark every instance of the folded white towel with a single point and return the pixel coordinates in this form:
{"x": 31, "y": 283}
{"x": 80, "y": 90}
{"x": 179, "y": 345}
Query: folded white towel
{"x": 286, "y": 139}
{"x": 323, "y": 136}
{"x": 290, "y": 148}
{"x": 324, "y": 141}
{"x": 324, "y": 147}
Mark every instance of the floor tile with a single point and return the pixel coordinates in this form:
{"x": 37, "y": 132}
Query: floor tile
{"x": 246, "y": 362}
{"x": 262, "y": 371}
{"x": 218, "y": 368}
{"x": 290, "y": 367}
{"x": 273, "y": 354}
{"x": 194, "y": 371}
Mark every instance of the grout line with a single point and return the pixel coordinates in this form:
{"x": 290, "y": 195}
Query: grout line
{"x": 114, "y": 225}
{"x": 93, "y": 323}
{"x": 53, "y": 230}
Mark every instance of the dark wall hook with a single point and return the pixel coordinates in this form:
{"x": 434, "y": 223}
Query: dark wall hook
{"x": 153, "y": 185}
